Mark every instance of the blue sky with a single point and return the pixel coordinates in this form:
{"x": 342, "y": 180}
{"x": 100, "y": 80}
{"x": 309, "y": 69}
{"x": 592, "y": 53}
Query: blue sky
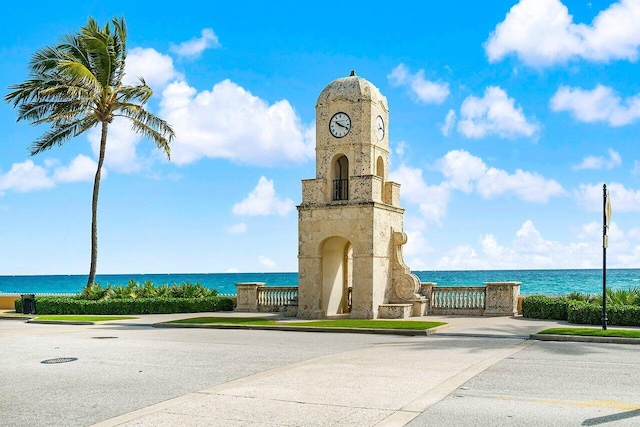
{"x": 506, "y": 118}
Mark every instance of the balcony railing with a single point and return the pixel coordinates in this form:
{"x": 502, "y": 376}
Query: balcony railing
{"x": 340, "y": 189}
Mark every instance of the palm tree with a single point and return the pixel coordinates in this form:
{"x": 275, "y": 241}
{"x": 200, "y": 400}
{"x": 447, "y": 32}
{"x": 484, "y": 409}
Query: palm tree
{"x": 76, "y": 86}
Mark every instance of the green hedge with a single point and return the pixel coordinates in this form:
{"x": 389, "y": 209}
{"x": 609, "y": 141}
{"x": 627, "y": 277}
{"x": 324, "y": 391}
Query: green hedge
{"x": 579, "y": 312}
{"x": 583, "y": 313}
{"x": 591, "y": 314}
{"x": 544, "y": 307}
{"x": 74, "y": 305}
{"x": 624, "y": 315}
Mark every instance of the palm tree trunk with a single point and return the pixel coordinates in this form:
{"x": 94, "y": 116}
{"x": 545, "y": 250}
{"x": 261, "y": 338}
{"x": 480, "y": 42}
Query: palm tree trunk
{"x": 94, "y": 207}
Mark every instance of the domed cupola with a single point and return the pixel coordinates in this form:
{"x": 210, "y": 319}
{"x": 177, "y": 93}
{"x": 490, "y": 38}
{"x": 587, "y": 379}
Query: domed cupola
{"x": 350, "y": 89}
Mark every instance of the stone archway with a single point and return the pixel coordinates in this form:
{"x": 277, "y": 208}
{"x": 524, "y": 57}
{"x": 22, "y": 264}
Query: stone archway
{"x": 337, "y": 272}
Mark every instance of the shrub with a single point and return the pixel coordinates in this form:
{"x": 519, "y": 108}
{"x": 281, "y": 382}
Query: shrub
{"x": 624, "y": 315}
{"x": 629, "y": 296}
{"x": 95, "y": 292}
{"x": 581, "y": 296}
{"x": 18, "y": 305}
{"x": 544, "y": 307}
{"x": 75, "y": 305}
{"x": 584, "y": 313}
{"x": 591, "y": 314}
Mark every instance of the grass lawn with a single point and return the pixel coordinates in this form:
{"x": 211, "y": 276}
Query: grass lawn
{"x": 227, "y": 321}
{"x": 593, "y": 332}
{"x": 81, "y": 318}
{"x": 337, "y": 323}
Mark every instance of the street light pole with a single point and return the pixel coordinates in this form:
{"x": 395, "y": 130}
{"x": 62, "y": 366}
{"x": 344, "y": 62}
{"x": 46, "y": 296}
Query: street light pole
{"x": 606, "y": 215}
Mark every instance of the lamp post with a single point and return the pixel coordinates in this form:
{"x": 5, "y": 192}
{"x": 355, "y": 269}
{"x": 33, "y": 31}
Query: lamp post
{"x": 606, "y": 216}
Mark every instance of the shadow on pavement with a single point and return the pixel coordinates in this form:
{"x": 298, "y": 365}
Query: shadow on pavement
{"x": 611, "y": 418}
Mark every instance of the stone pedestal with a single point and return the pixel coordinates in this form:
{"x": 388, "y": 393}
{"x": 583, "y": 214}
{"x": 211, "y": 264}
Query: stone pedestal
{"x": 394, "y": 311}
{"x": 502, "y": 298}
{"x": 248, "y": 296}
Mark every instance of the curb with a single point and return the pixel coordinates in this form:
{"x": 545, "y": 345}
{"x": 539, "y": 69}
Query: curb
{"x": 59, "y": 322}
{"x": 579, "y": 338}
{"x": 404, "y": 332}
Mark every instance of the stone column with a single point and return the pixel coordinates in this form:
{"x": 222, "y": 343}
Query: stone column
{"x": 426, "y": 291}
{"x": 248, "y": 296}
{"x": 502, "y": 298}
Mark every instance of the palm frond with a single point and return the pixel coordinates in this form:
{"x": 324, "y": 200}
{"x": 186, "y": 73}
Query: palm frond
{"x": 140, "y": 93}
{"x": 136, "y": 112}
{"x": 58, "y": 135}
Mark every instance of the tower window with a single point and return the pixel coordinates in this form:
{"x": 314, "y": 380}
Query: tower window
{"x": 341, "y": 181}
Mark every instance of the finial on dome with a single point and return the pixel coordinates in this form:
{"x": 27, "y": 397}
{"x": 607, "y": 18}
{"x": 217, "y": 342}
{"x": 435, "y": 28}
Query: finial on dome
{"x": 353, "y": 73}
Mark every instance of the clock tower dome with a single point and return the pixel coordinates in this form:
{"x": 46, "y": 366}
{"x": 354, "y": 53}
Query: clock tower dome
{"x": 350, "y": 220}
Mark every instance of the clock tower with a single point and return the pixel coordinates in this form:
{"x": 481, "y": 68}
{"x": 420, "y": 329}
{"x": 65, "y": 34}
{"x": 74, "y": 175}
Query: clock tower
{"x": 350, "y": 221}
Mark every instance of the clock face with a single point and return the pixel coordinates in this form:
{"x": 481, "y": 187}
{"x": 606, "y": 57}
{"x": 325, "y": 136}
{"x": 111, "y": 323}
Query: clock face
{"x": 339, "y": 125}
{"x": 379, "y": 128}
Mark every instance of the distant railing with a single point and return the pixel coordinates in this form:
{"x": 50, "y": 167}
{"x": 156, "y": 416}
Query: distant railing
{"x": 493, "y": 299}
{"x": 52, "y": 294}
{"x": 277, "y": 298}
{"x": 457, "y": 299}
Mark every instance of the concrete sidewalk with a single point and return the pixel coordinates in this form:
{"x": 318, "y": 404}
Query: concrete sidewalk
{"x": 386, "y": 384}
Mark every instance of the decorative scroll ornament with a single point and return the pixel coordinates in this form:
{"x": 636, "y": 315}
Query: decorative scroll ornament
{"x": 405, "y": 284}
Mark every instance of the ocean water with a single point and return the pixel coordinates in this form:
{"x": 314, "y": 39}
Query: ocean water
{"x": 549, "y": 282}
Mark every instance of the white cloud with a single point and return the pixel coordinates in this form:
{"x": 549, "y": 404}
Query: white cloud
{"x": 232, "y": 270}
{"x": 194, "y": 47}
{"x": 120, "y": 154}
{"x": 266, "y": 261}
{"x": 24, "y": 177}
{"x": 229, "y": 122}
{"x": 27, "y": 176}
{"x": 82, "y": 168}
{"x": 416, "y": 244}
{"x": 463, "y": 257}
{"x": 622, "y": 199}
{"x": 490, "y": 246}
{"x": 529, "y": 249}
{"x": 598, "y": 105}
{"x": 431, "y": 199}
{"x": 527, "y": 186}
{"x": 449, "y": 123}
{"x": 636, "y": 168}
{"x": 542, "y": 33}
{"x": 156, "y": 69}
{"x": 461, "y": 169}
{"x": 421, "y": 89}
{"x": 494, "y": 114}
{"x": 465, "y": 172}
{"x": 263, "y": 201}
{"x": 599, "y": 163}
{"x": 400, "y": 148}
{"x": 238, "y": 228}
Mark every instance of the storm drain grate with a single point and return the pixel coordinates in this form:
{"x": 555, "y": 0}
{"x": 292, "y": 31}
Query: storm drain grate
{"x": 59, "y": 360}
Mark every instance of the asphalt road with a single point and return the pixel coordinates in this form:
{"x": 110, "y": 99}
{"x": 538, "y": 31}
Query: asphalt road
{"x": 548, "y": 384}
{"x": 121, "y": 369}
{"x": 316, "y": 379}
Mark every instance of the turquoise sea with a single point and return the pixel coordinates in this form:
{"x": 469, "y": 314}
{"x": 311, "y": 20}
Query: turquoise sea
{"x": 549, "y": 282}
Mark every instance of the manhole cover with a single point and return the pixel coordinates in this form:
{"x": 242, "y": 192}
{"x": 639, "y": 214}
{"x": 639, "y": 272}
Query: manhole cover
{"x": 59, "y": 360}
{"x": 104, "y": 338}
